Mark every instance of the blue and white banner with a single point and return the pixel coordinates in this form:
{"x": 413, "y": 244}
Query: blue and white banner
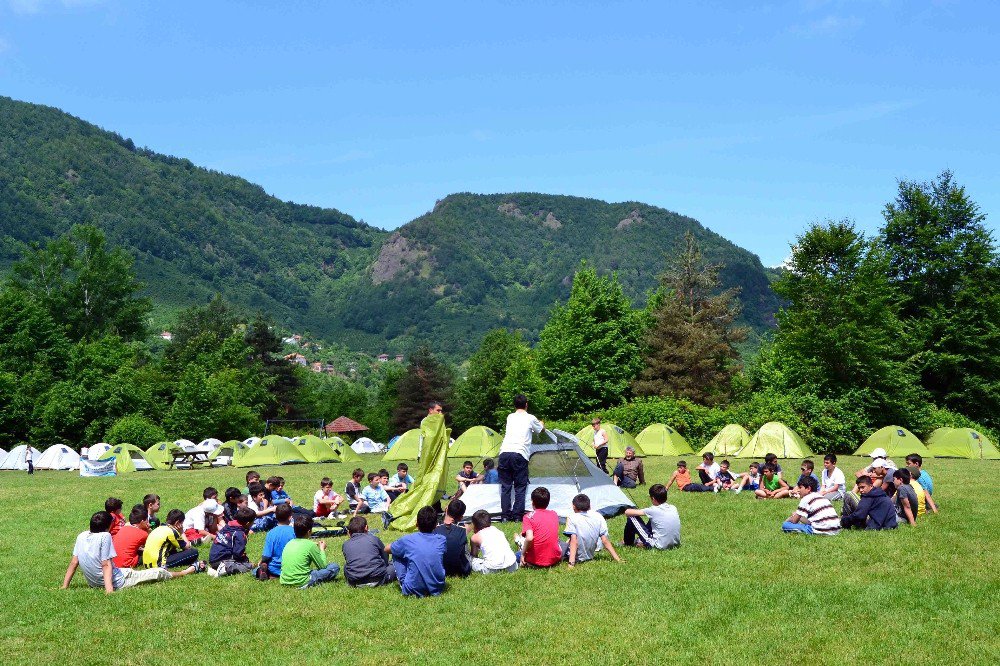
{"x": 97, "y": 467}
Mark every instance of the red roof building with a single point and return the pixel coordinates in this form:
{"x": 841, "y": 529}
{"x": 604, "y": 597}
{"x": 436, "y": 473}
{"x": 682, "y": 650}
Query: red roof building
{"x": 344, "y": 424}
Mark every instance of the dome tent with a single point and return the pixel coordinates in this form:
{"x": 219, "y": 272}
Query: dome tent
{"x": 896, "y": 441}
{"x": 15, "y": 460}
{"x": 476, "y": 442}
{"x": 962, "y": 443}
{"x": 314, "y": 449}
{"x": 128, "y": 458}
{"x": 344, "y": 453}
{"x": 366, "y": 445}
{"x": 618, "y": 439}
{"x": 406, "y": 447}
{"x": 223, "y": 454}
{"x": 728, "y": 441}
{"x": 659, "y": 439}
{"x": 58, "y": 456}
{"x": 97, "y": 450}
{"x": 161, "y": 454}
{"x": 776, "y": 438}
{"x": 272, "y": 450}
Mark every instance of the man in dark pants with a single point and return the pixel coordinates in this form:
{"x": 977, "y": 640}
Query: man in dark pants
{"x": 512, "y": 467}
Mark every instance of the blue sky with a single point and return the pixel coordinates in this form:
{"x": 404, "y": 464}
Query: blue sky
{"x": 755, "y": 118}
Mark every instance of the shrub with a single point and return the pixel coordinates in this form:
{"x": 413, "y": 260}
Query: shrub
{"x": 135, "y": 429}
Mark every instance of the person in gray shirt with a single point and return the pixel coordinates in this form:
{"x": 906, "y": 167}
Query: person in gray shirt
{"x": 365, "y": 561}
{"x": 906, "y": 497}
{"x": 662, "y": 530}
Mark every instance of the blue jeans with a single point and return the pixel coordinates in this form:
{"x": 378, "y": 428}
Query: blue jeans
{"x": 789, "y": 526}
{"x": 513, "y": 471}
{"x": 325, "y": 575}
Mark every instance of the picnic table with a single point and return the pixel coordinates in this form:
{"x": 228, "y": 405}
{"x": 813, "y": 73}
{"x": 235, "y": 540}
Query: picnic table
{"x": 190, "y": 458}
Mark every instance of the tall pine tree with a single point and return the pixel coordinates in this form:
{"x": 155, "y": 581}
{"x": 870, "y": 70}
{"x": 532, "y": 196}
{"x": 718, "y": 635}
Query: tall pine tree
{"x": 426, "y": 379}
{"x": 690, "y": 349}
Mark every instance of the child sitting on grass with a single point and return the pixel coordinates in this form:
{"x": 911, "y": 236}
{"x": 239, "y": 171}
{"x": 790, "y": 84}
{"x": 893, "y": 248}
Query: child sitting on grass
{"x": 235, "y": 499}
{"x": 419, "y": 558}
{"x": 724, "y": 479}
{"x": 194, "y": 520}
{"x": 152, "y": 504}
{"x": 815, "y": 514}
{"x": 491, "y": 553}
{"x": 164, "y": 546}
{"x": 373, "y": 496}
{"x": 772, "y": 486}
{"x": 228, "y": 555}
{"x": 490, "y": 474}
{"x": 587, "y": 531}
{"x": 113, "y": 505}
{"x": 326, "y": 501}
{"x": 465, "y": 478}
{"x": 353, "y": 491}
{"x": 399, "y": 483}
{"x": 274, "y": 544}
{"x": 806, "y": 469}
{"x": 540, "y": 546}
{"x": 303, "y": 561}
{"x": 661, "y": 531}
{"x": 365, "y": 561}
{"x": 94, "y": 554}
{"x": 131, "y": 538}
{"x": 259, "y": 503}
{"x": 456, "y": 554}
{"x": 252, "y": 478}
{"x": 683, "y": 479}
{"x": 749, "y": 480}
{"x": 276, "y": 484}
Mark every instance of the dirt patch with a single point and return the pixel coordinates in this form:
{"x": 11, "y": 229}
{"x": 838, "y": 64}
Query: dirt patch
{"x": 550, "y": 222}
{"x": 633, "y": 218}
{"x": 399, "y": 256}
{"x": 510, "y": 209}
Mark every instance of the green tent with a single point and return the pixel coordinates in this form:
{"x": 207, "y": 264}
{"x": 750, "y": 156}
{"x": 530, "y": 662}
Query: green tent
{"x": 618, "y": 439}
{"x": 407, "y": 447}
{"x": 224, "y": 453}
{"x": 343, "y": 451}
{"x": 728, "y": 441}
{"x": 128, "y": 458}
{"x": 272, "y": 450}
{"x": 896, "y": 441}
{"x": 776, "y": 438}
{"x": 659, "y": 439}
{"x": 161, "y": 454}
{"x": 432, "y": 475}
{"x": 476, "y": 442}
{"x": 314, "y": 449}
{"x": 962, "y": 443}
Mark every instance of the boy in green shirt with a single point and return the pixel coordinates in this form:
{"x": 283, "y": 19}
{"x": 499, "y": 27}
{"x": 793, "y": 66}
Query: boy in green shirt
{"x": 301, "y": 554}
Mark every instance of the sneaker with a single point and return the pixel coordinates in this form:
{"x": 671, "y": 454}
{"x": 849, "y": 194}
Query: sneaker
{"x": 386, "y": 519}
{"x": 214, "y": 573}
{"x": 715, "y": 489}
{"x": 738, "y": 491}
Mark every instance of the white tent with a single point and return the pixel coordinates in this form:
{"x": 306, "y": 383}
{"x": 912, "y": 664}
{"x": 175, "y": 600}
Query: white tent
{"x": 58, "y": 457}
{"x": 366, "y": 445}
{"x": 251, "y": 441}
{"x": 557, "y": 463}
{"x": 186, "y": 444}
{"x": 3, "y": 454}
{"x": 209, "y": 444}
{"x": 15, "y": 459}
{"x": 97, "y": 450}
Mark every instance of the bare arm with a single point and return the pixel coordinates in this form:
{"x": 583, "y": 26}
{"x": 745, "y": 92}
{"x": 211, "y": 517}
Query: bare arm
{"x": 908, "y": 511}
{"x": 930, "y": 501}
{"x": 634, "y": 512}
{"x": 70, "y": 570}
{"x": 611, "y": 548}
{"x": 108, "y": 571}
{"x": 529, "y": 538}
{"x": 673, "y": 477}
{"x": 572, "y": 549}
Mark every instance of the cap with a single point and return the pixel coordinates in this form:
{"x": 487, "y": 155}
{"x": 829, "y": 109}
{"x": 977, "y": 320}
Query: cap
{"x": 878, "y": 462}
{"x": 213, "y": 507}
{"x": 878, "y": 453}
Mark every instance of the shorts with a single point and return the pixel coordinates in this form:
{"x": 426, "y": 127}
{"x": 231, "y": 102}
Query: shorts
{"x": 192, "y": 535}
{"x": 135, "y": 577}
{"x": 322, "y": 510}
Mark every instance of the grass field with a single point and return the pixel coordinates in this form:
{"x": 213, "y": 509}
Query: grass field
{"x": 737, "y": 591}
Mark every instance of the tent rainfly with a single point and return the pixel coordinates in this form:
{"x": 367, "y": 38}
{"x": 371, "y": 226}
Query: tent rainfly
{"x": 406, "y": 447}
{"x": 314, "y": 449}
{"x": 344, "y": 453}
{"x": 367, "y": 445}
{"x": 659, "y": 439}
{"x": 161, "y": 454}
{"x": 896, "y": 441}
{"x": 15, "y": 460}
{"x": 728, "y": 441}
{"x": 59, "y": 457}
{"x": 476, "y": 442}
{"x": 128, "y": 458}
{"x": 962, "y": 443}
{"x": 776, "y": 438}
{"x": 618, "y": 439}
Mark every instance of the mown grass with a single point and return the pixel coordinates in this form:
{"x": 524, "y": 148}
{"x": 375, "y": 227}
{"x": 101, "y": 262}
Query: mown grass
{"x": 738, "y": 591}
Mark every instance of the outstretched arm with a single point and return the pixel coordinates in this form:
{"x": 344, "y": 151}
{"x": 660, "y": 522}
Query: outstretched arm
{"x": 70, "y": 570}
{"x": 611, "y": 548}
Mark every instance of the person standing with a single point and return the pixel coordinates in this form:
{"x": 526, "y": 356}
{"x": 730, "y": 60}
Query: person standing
{"x": 600, "y": 444}
{"x": 27, "y": 460}
{"x": 512, "y": 466}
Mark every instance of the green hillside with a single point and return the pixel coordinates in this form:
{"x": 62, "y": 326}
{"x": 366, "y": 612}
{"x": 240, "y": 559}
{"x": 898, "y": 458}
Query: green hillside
{"x": 474, "y": 263}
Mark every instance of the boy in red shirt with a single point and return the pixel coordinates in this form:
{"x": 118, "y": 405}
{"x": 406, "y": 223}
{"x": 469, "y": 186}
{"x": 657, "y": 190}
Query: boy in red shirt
{"x": 130, "y": 539}
{"x": 113, "y": 505}
{"x": 540, "y": 545}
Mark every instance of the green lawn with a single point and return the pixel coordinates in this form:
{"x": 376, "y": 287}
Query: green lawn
{"x": 736, "y": 589}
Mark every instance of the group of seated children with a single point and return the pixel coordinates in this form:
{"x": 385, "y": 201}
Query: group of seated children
{"x": 468, "y": 476}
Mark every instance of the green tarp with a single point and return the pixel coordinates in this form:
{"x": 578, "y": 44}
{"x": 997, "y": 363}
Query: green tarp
{"x": 897, "y": 442}
{"x": 776, "y": 438}
{"x": 660, "y": 439}
{"x": 407, "y": 447}
{"x": 431, "y": 476}
{"x": 618, "y": 439}
{"x": 962, "y": 443}
{"x": 728, "y": 441}
{"x": 476, "y": 442}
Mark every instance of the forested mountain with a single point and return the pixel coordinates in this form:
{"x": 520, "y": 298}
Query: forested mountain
{"x": 473, "y": 263}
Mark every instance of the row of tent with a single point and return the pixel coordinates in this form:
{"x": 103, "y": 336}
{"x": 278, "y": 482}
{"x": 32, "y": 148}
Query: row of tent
{"x": 660, "y": 439}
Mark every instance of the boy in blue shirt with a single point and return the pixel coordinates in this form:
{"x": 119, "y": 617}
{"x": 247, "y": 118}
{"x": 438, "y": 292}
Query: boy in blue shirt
{"x": 924, "y": 479}
{"x": 373, "y": 496}
{"x": 400, "y": 483}
{"x": 419, "y": 558}
{"x": 490, "y": 474}
{"x": 279, "y": 496}
{"x": 275, "y": 543}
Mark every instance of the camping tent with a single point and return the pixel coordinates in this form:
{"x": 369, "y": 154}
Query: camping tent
{"x": 559, "y": 464}
{"x": 128, "y": 458}
{"x": 15, "y": 459}
{"x": 962, "y": 443}
{"x": 97, "y": 450}
{"x": 776, "y": 438}
{"x": 223, "y": 454}
{"x": 618, "y": 439}
{"x": 187, "y": 445}
{"x": 314, "y": 449}
{"x": 659, "y": 439}
{"x": 896, "y": 441}
{"x": 208, "y": 445}
{"x": 345, "y": 454}
{"x": 161, "y": 454}
{"x": 251, "y": 441}
{"x": 366, "y": 445}
{"x": 58, "y": 457}
{"x": 272, "y": 450}
{"x": 727, "y": 441}
{"x": 476, "y": 442}
{"x": 406, "y": 447}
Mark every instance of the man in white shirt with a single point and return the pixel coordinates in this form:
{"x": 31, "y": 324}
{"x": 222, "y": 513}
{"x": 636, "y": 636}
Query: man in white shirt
{"x": 600, "y": 444}
{"x": 833, "y": 484}
{"x": 512, "y": 465}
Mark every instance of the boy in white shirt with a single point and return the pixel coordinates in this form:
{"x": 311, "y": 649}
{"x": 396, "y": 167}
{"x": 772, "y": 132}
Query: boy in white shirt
{"x": 512, "y": 466}
{"x": 326, "y": 500}
{"x": 587, "y": 531}
{"x": 833, "y": 485}
{"x": 195, "y": 531}
{"x": 491, "y": 552}
{"x": 662, "y": 530}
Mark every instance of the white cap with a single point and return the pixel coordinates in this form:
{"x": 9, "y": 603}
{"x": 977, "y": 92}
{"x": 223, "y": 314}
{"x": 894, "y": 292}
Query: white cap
{"x": 878, "y": 453}
{"x": 878, "y": 462}
{"x": 213, "y": 507}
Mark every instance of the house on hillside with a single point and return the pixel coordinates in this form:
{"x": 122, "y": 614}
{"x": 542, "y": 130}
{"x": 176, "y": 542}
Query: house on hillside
{"x": 316, "y": 367}
{"x": 399, "y": 358}
{"x": 297, "y": 359}
{"x": 382, "y": 358}
{"x": 167, "y": 335}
